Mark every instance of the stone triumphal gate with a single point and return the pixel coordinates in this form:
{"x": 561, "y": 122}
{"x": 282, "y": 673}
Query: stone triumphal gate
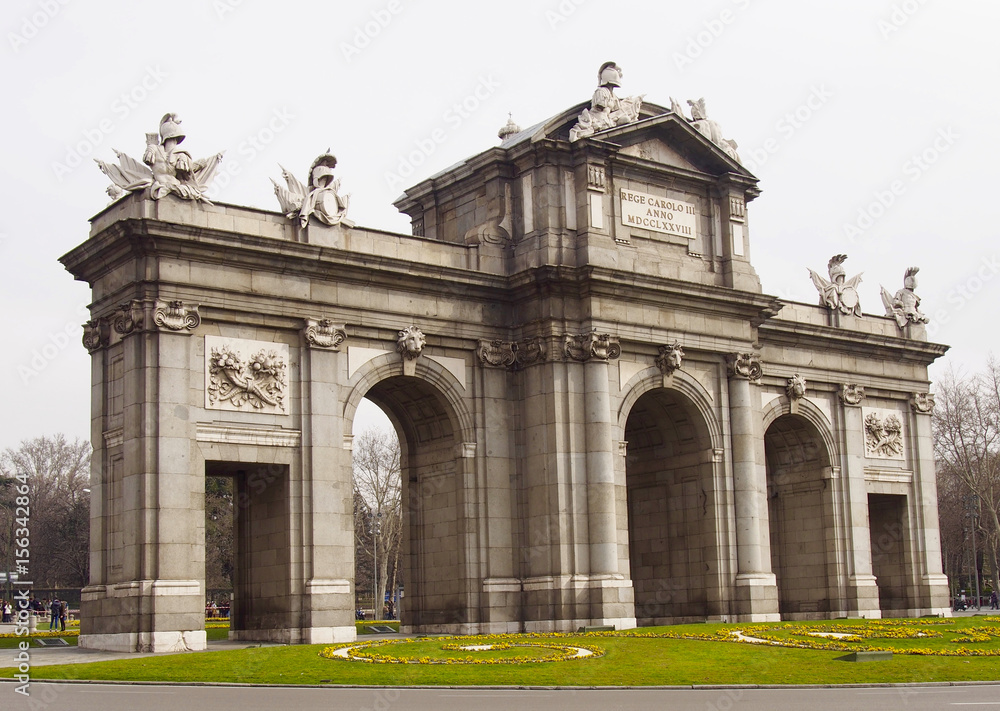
{"x": 603, "y": 419}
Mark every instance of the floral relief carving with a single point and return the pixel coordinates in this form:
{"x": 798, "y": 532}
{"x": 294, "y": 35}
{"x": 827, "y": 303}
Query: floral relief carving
{"x": 883, "y": 434}
{"x": 258, "y": 381}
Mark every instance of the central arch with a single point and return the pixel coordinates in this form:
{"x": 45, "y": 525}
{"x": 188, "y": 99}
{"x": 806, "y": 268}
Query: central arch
{"x": 673, "y": 521}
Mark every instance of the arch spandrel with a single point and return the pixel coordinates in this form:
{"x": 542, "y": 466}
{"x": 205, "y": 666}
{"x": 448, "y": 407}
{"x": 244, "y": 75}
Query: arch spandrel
{"x": 811, "y": 414}
{"x": 696, "y": 395}
{"x": 443, "y": 382}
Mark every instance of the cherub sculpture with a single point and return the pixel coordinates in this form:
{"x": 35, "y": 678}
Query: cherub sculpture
{"x": 839, "y": 293}
{"x": 606, "y": 110}
{"x": 708, "y": 128}
{"x": 320, "y": 198}
{"x": 905, "y": 305}
{"x": 170, "y": 169}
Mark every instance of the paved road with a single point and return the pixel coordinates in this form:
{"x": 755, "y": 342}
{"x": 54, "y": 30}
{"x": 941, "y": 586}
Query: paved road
{"x": 110, "y": 697}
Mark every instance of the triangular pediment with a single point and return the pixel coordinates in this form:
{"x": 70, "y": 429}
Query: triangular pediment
{"x": 659, "y": 151}
{"x": 672, "y": 140}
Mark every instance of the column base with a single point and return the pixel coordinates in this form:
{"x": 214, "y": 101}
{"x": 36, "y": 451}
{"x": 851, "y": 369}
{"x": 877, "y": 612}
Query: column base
{"x": 167, "y": 641}
{"x": 755, "y": 598}
{"x": 296, "y": 635}
{"x": 862, "y": 597}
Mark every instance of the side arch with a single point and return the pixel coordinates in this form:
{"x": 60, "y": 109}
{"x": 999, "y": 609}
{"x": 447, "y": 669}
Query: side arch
{"x": 808, "y": 411}
{"x": 651, "y": 379}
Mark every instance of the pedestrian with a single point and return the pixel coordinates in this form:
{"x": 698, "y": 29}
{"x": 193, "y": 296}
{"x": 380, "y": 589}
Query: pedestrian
{"x": 54, "y": 610}
{"x": 994, "y": 601}
{"x": 6, "y": 610}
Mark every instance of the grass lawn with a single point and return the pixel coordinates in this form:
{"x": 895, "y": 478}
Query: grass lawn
{"x": 627, "y": 661}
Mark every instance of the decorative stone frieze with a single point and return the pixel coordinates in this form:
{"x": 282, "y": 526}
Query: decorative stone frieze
{"x": 591, "y": 346}
{"x": 324, "y": 333}
{"x": 851, "y": 394}
{"x": 745, "y": 365}
{"x": 884, "y": 434}
{"x": 128, "y": 317}
{"x": 95, "y": 334}
{"x": 922, "y": 403}
{"x": 245, "y": 375}
{"x": 175, "y": 316}
{"x": 497, "y": 353}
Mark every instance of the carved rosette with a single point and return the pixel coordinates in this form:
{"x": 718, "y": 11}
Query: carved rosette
{"x": 257, "y": 382}
{"x": 745, "y": 365}
{"x": 591, "y": 346}
{"x": 175, "y": 316}
{"x": 324, "y": 333}
{"x": 922, "y": 403}
{"x": 795, "y": 387}
{"x": 410, "y": 343}
{"x": 95, "y": 334}
{"x": 497, "y": 353}
{"x": 670, "y": 358}
{"x": 128, "y": 317}
{"x": 852, "y": 394}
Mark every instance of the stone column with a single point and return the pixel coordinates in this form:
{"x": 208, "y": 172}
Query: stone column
{"x": 756, "y": 594}
{"x": 611, "y": 595}
{"x": 932, "y": 594}
{"x": 327, "y": 489}
{"x": 862, "y": 587}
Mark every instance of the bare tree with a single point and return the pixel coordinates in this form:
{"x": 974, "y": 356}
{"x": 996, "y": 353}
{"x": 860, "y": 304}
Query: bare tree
{"x": 378, "y": 512}
{"x": 967, "y": 448}
{"x": 57, "y": 473}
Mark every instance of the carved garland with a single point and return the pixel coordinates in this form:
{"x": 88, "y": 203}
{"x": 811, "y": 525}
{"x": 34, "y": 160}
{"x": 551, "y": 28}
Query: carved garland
{"x": 259, "y": 382}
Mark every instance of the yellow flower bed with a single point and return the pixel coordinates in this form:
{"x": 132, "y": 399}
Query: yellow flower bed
{"x": 378, "y": 653}
{"x": 42, "y": 633}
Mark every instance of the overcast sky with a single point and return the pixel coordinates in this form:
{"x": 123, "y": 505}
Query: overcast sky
{"x": 870, "y": 123}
